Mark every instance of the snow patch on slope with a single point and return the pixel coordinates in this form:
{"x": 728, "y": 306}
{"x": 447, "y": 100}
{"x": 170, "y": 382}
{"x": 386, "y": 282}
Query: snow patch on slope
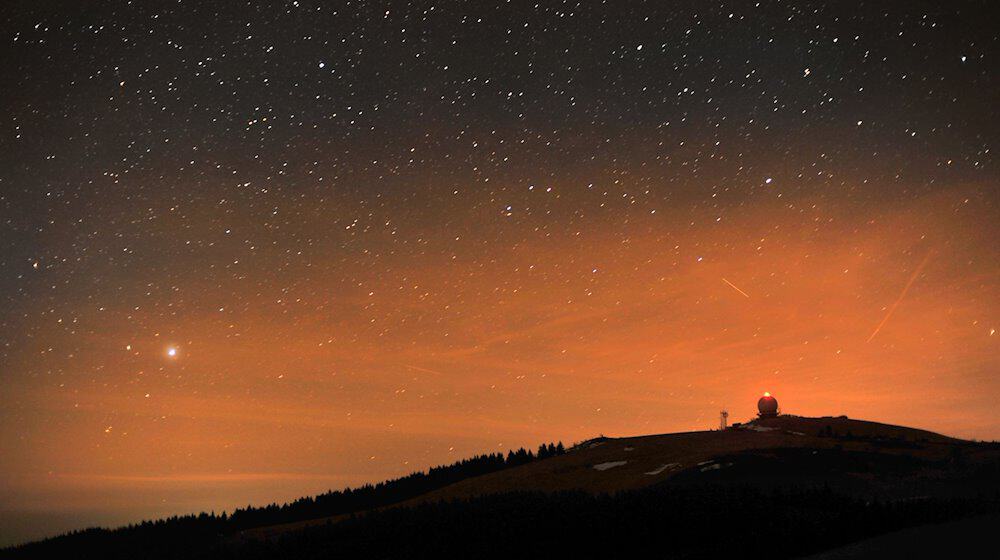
{"x": 662, "y": 468}
{"x": 757, "y": 428}
{"x": 608, "y": 465}
{"x": 715, "y": 467}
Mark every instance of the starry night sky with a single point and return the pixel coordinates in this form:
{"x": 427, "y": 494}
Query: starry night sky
{"x": 251, "y": 251}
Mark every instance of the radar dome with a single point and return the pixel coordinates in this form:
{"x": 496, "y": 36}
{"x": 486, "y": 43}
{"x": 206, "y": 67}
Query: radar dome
{"x": 767, "y": 406}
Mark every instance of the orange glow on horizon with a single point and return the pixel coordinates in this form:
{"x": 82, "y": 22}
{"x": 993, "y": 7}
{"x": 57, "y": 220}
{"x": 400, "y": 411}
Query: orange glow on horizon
{"x": 247, "y": 263}
{"x": 447, "y": 354}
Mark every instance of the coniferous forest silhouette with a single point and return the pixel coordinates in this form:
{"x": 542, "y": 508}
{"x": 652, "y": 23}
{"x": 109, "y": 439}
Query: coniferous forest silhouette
{"x": 779, "y": 504}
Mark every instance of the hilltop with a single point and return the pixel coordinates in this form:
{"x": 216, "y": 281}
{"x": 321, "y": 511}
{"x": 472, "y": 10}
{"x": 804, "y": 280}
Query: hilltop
{"x": 615, "y": 464}
{"x": 607, "y": 465}
{"x": 831, "y": 480}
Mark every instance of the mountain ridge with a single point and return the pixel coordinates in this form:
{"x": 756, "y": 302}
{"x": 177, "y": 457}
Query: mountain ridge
{"x": 857, "y": 460}
{"x": 656, "y": 458}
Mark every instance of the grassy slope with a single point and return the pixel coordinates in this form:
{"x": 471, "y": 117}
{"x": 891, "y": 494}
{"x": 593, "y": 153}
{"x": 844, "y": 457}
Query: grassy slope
{"x": 684, "y": 452}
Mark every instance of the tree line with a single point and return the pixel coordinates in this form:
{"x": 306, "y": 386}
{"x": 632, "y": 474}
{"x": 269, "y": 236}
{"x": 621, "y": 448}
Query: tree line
{"x": 179, "y": 536}
{"x": 666, "y": 521}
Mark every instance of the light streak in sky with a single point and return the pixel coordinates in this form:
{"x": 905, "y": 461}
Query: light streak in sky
{"x": 735, "y": 288}
{"x": 425, "y": 370}
{"x": 902, "y": 294}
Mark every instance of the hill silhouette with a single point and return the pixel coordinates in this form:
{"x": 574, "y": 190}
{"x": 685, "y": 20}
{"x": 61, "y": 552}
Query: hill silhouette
{"x": 776, "y": 487}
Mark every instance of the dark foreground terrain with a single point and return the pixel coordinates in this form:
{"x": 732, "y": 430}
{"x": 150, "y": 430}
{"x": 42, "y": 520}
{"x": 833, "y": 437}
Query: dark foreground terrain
{"x": 777, "y": 488}
{"x": 964, "y": 538}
